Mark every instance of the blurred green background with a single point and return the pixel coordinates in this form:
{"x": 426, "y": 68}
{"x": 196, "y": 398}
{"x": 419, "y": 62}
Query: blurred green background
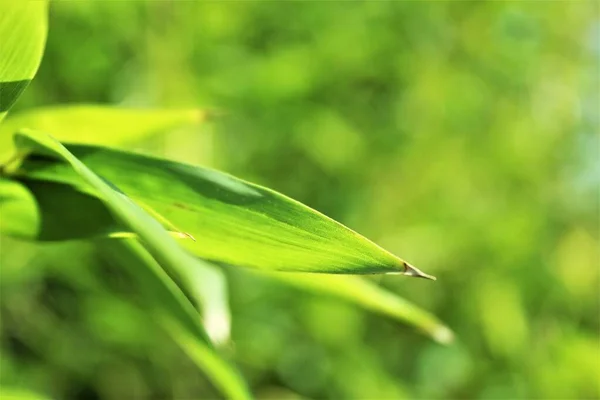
{"x": 461, "y": 136}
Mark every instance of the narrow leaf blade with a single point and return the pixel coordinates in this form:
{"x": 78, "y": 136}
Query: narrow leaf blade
{"x": 158, "y": 243}
{"x": 176, "y": 315}
{"x": 235, "y": 222}
{"x": 46, "y": 198}
{"x": 368, "y": 295}
{"x": 96, "y": 124}
{"x": 23, "y": 30}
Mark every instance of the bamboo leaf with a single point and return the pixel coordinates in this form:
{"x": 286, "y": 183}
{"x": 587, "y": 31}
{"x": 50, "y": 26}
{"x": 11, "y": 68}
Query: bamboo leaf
{"x": 235, "y": 222}
{"x": 176, "y": 315}
{"x": 19, "y": 215}
{"x": 35, "y": 210}
{"x": 23, "y": 30}
{"x": 96, "y": 124}
{"x": 209, "y": 286}
{"x": 162, "y": 248}
{"x": 368, "y": 295}
{"x": 10, "y": 393}
{"x": 46, "y": 199}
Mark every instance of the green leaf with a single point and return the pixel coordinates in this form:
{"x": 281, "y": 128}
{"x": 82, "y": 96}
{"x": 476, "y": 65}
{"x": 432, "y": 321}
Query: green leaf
{"x": 10, "y": 393}
{"x": 161, "y": 247}
{"x": 23, "y": 30}
{"x": 235, "y": 222}
{"x": 158, "y": 242}
{"x": 35, "y": 210}
{"x": 209, "y": 286}
{"x": 20, "y": 216}
{"x": 47, "y": 197}
{"x": 368, "y": 295}
{"x": 96, "y": 124}
{"x": 175, "y": 314}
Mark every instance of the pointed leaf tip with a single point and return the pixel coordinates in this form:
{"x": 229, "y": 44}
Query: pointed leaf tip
{"x": 443, "y": 335}
{"x": 410, "y": 270}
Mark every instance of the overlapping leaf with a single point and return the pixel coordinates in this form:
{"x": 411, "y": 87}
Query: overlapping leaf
{"x": 368, "y": 295}
{"x": 23, "y": 30}
{"x": 235, "y": 222}
{"x": 175, "y": 314}
{"x": 93, "y": 220}
{"x": 180, "y": 318}
{"x": 96, "y": 124}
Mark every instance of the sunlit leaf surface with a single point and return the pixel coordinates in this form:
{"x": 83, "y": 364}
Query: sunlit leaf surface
{"x": 88, "y": 217}
{"x": 234, "y": 222}
{"x": 96, "y": 124}
{"x": 23, "y": 29}
{"x": 181, "y": 318}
